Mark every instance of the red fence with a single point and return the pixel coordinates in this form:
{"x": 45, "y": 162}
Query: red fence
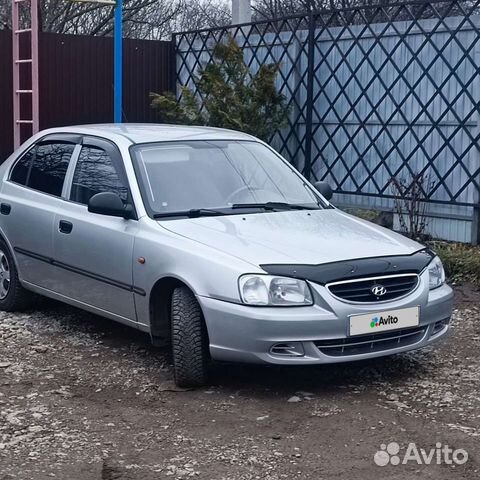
{"x": 76, "y": 81}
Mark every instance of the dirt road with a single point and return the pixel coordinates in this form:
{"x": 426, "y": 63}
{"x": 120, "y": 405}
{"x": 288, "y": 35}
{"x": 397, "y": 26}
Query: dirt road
{"x": 82, "y": 398}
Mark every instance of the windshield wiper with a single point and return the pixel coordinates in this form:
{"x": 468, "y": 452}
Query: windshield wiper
{"x": 274, "y": 206}
{"x": 208, "y": 212}
{"x": 192, "y": 213}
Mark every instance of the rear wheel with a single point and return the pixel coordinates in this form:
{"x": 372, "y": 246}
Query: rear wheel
{"x": 12, "y": 295}
{"x": 191, "y": 356}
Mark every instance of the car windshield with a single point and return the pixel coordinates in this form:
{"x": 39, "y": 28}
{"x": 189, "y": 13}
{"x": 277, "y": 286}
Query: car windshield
{"x": 217, "y": 177}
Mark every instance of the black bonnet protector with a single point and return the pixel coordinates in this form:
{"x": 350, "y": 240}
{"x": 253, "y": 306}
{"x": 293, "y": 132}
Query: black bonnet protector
{"x": 355, "y": 268}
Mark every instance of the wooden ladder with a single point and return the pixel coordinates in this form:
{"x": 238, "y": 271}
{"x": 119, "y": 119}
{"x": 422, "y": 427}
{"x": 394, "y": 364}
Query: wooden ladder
{"x": 20, "y": 72}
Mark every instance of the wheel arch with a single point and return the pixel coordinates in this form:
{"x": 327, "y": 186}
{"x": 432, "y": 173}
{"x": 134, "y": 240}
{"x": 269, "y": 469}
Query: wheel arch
{"x": 160, "y": 300}
{"x": 5, "y": 240}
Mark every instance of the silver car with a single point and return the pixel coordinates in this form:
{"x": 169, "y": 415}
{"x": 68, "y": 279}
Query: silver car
{"x": 209, "y": 241}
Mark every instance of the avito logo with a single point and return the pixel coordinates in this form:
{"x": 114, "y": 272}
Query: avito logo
{"x": 379, "y": 321}
{"x": 441, "y": 454}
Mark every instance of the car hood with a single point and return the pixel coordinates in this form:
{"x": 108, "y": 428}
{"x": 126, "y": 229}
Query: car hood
{"x": 301, "y": 236}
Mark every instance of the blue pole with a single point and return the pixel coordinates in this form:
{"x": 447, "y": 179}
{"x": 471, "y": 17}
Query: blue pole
{"x": 118, "y": 64}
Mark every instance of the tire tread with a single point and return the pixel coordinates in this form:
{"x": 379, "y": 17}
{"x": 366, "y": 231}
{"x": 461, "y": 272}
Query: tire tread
{"x": 189, "y": 340}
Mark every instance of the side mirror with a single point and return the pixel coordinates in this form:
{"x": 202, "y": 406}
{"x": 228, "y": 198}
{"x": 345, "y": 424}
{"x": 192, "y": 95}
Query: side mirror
{"x": 109, "y": 203}
{"x": 325, "y": 189}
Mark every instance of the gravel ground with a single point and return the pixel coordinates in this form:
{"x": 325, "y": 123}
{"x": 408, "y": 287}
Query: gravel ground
{"x": 83, "y": 398}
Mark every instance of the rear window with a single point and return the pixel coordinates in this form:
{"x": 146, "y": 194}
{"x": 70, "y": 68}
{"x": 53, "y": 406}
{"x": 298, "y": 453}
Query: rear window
{"x": 43, "y": 167}
{"x": 22, "y": 167}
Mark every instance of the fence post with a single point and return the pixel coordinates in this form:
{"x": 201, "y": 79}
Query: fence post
{"x": 307, "y": 171}
{"x": 476, "y": 214}
{"x": 173, "y": 65}
{"x": 296, "y": 114}
{"x": 476, "y": 226}
{"x": 241, "y": 12}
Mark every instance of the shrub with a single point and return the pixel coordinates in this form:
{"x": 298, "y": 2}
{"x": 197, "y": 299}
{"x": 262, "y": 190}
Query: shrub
{"x": 409, "y": 203}
{"x": 461, "y": 261}
{"x": 230, "y": 96}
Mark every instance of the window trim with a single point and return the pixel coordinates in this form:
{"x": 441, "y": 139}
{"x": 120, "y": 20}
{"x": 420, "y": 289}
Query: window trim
{"x": 70, "y": 170}
{"x": 78, "y": 139}
{"x": 63, "y": 138}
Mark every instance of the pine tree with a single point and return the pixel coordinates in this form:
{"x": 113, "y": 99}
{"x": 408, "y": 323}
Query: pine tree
{"x": 230, "y": 96}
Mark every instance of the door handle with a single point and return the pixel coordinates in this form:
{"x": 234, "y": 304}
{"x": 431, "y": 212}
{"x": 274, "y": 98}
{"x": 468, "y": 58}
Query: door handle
{"x": 5, "y": 208}
{"x": 65, "y": 227}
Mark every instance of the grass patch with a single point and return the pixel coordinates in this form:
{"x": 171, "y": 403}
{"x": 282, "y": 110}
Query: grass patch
{"x": 461, "y": 261}
{"x": 363, "y": 213}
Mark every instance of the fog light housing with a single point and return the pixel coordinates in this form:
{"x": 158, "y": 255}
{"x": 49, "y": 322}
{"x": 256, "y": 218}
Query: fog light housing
{"x": 287, "y": 349}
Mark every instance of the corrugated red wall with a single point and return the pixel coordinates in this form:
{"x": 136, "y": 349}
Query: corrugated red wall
{"x": 76, "y": 81}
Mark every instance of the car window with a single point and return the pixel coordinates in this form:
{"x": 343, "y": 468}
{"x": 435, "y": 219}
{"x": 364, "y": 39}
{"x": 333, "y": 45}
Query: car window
{"x": 20, "y": 170}
{"x": 43, "y": 167}
{"x": 95, "y": 172}
{"x": 215, "y": 174}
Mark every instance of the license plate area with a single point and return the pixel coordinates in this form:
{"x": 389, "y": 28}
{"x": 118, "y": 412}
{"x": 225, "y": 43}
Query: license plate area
{"x": 377, "y": 322}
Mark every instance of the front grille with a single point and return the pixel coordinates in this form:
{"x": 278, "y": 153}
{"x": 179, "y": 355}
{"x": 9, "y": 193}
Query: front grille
{"x": 375, "y": 289}
{"x": 370, "y": 343}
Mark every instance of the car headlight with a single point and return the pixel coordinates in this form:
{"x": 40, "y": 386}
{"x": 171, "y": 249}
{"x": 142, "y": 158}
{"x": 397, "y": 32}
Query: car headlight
{"x": 436, "y": 273}
{"x": 274, "y": 291}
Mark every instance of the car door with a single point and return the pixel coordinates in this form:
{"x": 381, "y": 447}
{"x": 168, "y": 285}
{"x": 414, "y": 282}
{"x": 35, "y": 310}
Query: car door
{"x": 29, "y": 201}
{"x": 93, "y": 253}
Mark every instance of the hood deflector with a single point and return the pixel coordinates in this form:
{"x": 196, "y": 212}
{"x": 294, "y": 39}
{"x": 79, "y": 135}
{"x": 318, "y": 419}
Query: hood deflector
{"x": 356, "y": 268}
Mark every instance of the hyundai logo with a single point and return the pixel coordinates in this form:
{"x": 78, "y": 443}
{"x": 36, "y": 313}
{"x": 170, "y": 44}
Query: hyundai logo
{"x": 379, "y": 290}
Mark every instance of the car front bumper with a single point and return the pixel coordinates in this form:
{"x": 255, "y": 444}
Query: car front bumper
{"x": 319, "y": 333}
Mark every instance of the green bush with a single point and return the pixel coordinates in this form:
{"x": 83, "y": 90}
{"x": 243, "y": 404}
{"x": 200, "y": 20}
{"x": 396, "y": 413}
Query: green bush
{"x": 230, "y": 96}
{"x": 461, "y": 261}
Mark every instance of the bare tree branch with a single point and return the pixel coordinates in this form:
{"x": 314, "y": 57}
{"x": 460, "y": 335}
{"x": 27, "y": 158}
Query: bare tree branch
{"x": 145, "y": 19}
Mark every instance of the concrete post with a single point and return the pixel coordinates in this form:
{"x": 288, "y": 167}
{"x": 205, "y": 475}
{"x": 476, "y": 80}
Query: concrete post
{"x": 241, "y": 11}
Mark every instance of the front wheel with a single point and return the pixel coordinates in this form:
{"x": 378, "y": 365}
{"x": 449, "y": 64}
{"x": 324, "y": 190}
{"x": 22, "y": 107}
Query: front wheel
{"x": 191, "y": 356}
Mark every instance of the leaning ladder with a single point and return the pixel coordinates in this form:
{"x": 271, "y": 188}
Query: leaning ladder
{"x": 24, "y": 85}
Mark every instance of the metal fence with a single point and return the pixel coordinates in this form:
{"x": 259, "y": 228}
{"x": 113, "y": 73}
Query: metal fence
{"x": 375, "y": 93}
{"x": 76, "y": 81}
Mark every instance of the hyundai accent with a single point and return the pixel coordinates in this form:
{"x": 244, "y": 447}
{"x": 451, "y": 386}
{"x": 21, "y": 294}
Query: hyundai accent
{"x": 210, "y": 242}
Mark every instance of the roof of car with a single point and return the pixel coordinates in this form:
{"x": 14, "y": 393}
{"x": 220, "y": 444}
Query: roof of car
{"x": 152, "y": 132}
